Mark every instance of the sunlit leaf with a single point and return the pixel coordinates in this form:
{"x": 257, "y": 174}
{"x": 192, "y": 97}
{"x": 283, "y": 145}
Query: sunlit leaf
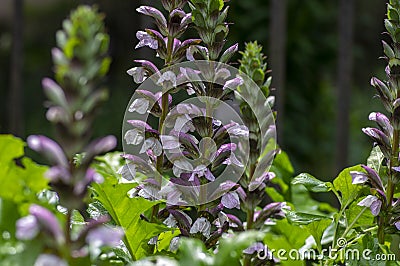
{"x": 126, "y": 213}
{"x": 311, "y": 183}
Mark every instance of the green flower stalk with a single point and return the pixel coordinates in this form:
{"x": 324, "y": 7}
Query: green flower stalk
{"x": 253, "y": 182}
{"x": 209, "y": 20}
{"x": 81, "y": 62}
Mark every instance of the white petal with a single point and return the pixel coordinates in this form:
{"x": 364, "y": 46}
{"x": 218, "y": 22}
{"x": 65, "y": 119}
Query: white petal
{"x": 139, "y": 105}
{"x": 167, "y": 76}
{"x": 147, "y": 144}
{"x": 157, "y": 148}
{"x": 174, "y": 244}
{"x": 133, "y": 137}
{"x": 230, "y": 200}
{"x": 170, "y": 142}
{"x": 170, "y": 221}
{"x": 201, "y": 225}
{"x": 233, "y": 160}
{"x": 138, "y": 74}
{"x": 239, "y": 130}
{"x": 368, "y": 201}
{"x": 190, "y": 90}
{"x": 183, "y": 123}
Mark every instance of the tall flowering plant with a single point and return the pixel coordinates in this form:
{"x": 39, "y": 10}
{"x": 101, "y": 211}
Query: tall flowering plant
{"x": 80, "y": 60}
{"x": 188, "y": 121}
{"x": 191, "y": 154}
{"x": 256, "y": 203}
{"x": 383, "y": 178}
{"x": 367, "y": 194}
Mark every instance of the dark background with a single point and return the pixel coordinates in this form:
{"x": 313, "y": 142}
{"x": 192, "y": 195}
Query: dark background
{"x": 305, "y": 41}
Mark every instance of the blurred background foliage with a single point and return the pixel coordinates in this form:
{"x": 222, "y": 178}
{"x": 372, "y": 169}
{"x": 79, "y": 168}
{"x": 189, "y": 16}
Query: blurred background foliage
{"x": 308, "y": 129}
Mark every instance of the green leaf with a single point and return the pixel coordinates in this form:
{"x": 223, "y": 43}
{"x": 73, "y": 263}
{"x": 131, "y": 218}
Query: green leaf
{"x": 314, "y": 224}
{"x": 366, "y": 219}
{"x": 274, "y": 195}
{"x": 198, "y": 19}
{"x": 215, "y": 5}
{"x": 374, "y": 249}
{"x": 165, "y": 238}
{"x": 193, "y": 252}
{"x": 343, "y": 184}
{"x": 20, "y": 182}
{"x": 109, "y": 164}
{"x": 311, "y": 183}
{"x": 375, "y": 159}
{"x": 286, "y": 236}
{"x": 300, "y": 218}
{"x": 282, "y": 167}
{"x": 10, "y": 148}
{"x": 317, "y": 229}
{"x": 303, "y": 202}
{"x": 230, "y": 248}
{"x": 388, "y": 51}
{"x": 8, "y": 216}
{"x": 126, "y": 213}
{"x": 293, "y": 238}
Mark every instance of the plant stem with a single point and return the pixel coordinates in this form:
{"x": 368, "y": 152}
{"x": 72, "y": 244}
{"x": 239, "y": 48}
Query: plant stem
{"x": 352, "y": 224}
{"x": 209, "y": 113}
{"x": 68, "y": 227}
{"x": 393, "y": 163}
{"x": 381, "y": 228}
{"x": 66, "y": 250}
{"x": 341, "y": 212}
{"x": 250, "y": 218}
{"x": 164, "y": 112}
{"x": 250, "y": 215}
{"x": 382, "y": 219}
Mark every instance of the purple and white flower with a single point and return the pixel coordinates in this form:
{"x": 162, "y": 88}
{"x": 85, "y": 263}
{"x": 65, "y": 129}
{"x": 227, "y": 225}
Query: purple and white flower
{"x": 138, "y": 74}
{"x": 231, "y": 200}
{"x": 373, "y": 202}
{"x": 201, "y": 225}
{"x": 146, "y": 40}
{"x": 200, "y": 171}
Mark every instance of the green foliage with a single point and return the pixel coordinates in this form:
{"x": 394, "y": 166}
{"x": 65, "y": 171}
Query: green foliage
{"x": 317, "y": 229}
{"x": 311, "y": 183}
{"x": 343, "y": 185}
{"x": 253, "y": 65}
{"x": 315, "y": 225}
{"x": 286, "y": 236}
{"x": 230, "y": 249}
{"x": 193, "y": 252}
{"x": 352, "y": 212}
{"x": 83, "y": 36}
{"x": 375, "y": 160}
{"x": 126, "y": 212}
{"x": 282, "y": 166}
{"x": 21, "y": 179}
